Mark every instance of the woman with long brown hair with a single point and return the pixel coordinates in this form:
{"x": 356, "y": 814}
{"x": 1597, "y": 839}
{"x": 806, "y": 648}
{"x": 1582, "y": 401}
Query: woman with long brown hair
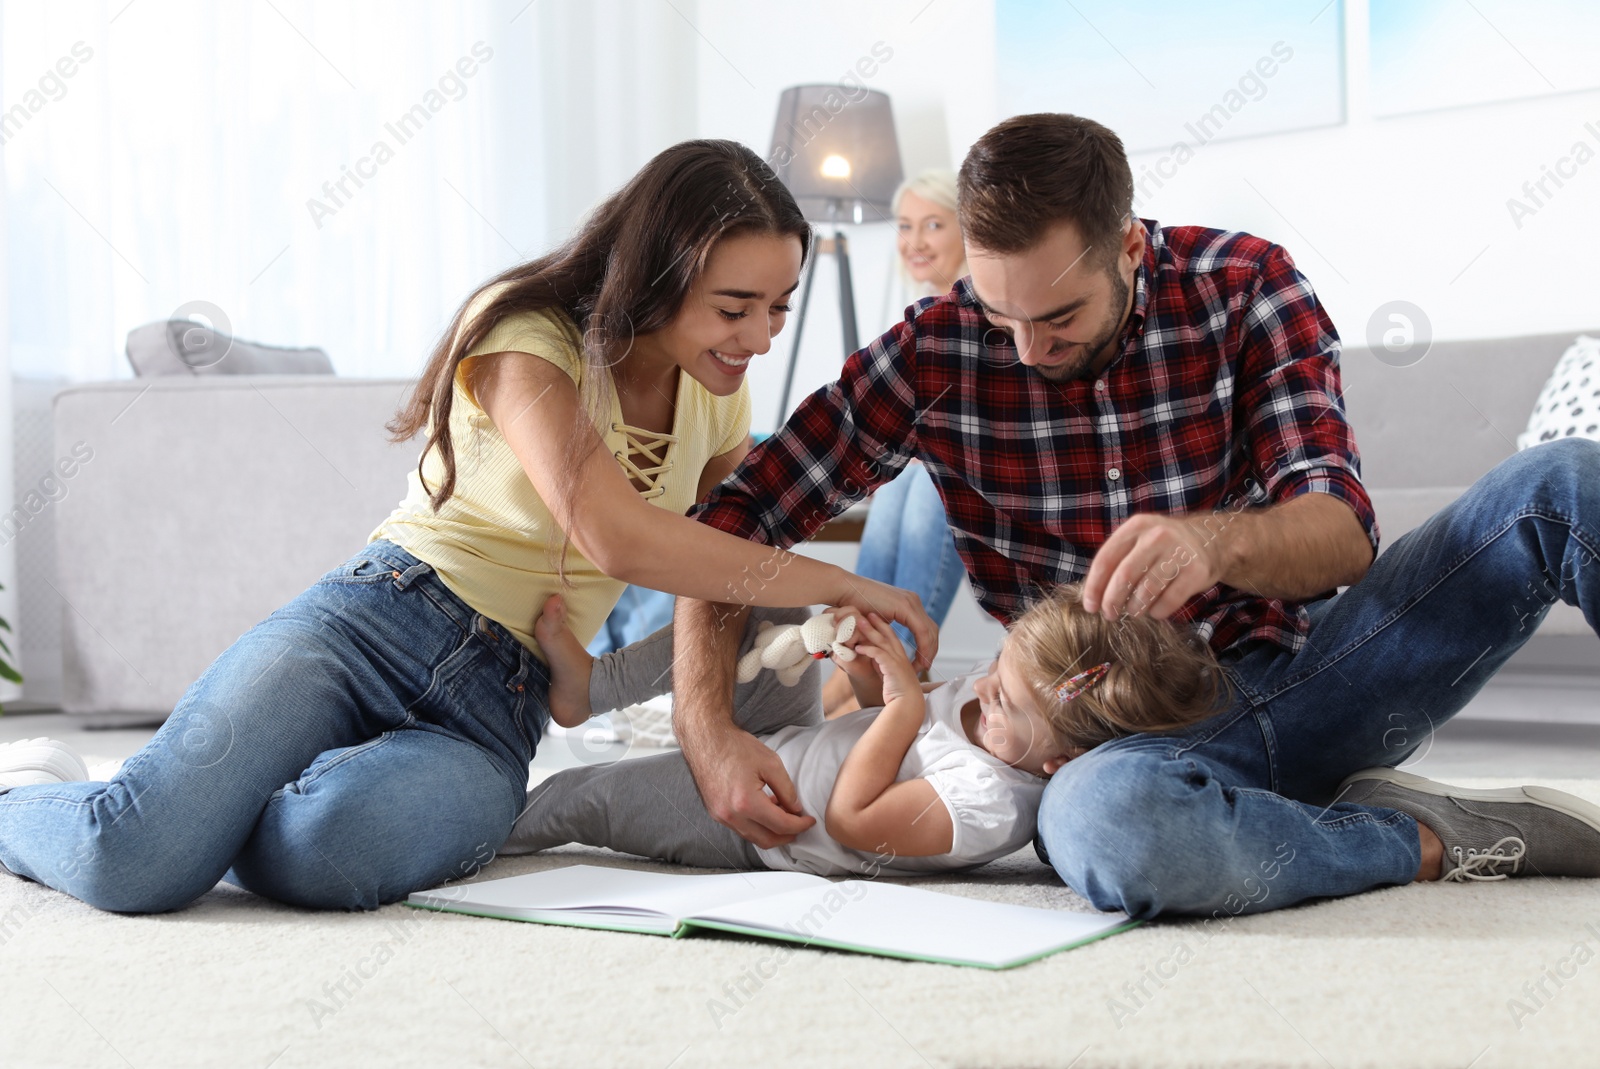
{"x": 372, "y": 737}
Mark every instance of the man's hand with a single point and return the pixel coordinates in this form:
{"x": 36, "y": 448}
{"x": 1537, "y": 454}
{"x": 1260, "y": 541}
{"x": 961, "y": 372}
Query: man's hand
{"x": 1155, "y": 564}
{"x": 731, "y": 767}
{"x": 1294, "y": 550}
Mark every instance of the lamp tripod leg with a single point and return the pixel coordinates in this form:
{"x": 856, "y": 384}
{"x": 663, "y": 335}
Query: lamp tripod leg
{"x": 847, "y": 294}
{"x": 794, "y": 348}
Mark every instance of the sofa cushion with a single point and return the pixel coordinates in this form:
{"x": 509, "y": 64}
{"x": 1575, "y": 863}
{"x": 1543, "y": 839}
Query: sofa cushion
{"x": 1450, "y": 417}
{"x": 185, "y": 347}
{"x": 200, "y": 505}
{"x": 1569, "y": 404}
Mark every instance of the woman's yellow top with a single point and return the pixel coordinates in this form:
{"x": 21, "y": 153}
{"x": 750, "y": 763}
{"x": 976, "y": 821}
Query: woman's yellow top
{"x": 494, "y": 541}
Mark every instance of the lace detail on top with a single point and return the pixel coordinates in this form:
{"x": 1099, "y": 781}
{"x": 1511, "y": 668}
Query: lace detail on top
{"x": 644, "y": 447}
{"x": 1482, "y": 864}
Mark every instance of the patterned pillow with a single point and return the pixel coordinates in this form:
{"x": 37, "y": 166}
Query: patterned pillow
{"x": 1569, "y": 404}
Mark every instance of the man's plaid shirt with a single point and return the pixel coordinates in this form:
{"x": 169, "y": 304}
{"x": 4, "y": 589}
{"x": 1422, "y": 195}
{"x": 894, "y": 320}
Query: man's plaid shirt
{"x": 1224, "y": 395}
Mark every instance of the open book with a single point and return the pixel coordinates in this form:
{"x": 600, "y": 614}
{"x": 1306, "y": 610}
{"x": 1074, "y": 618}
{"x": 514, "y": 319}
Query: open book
{"x": 860, "y": 915}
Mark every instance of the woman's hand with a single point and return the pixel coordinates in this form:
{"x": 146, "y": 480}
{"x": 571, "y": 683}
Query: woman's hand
{"x": 903, "y": 607}
{"x": 879, "y": 653}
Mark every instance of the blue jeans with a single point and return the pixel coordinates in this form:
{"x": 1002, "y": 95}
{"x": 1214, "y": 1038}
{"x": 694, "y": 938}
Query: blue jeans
{"x": 907, "y": 543}
{"x": 638, "y": 613}
{"x": 1238, "y": 814}
{"x": 369, "y": 739}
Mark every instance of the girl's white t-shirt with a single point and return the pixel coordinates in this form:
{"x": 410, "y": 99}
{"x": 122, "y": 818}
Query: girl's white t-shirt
{"x": 993, "y": 807}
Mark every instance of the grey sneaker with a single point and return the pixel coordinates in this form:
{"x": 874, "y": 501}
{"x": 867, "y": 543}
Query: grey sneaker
{"x": 1490, "y": 834}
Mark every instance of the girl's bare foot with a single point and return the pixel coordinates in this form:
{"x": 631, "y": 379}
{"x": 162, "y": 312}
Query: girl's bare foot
{"x": 570, "y": 664}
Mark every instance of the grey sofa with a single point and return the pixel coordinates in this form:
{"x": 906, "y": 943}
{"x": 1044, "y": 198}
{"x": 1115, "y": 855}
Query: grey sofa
{"x": 206, "y": 503}
{"x": 1429, "y": 430}
{"x": 209, "y": 502}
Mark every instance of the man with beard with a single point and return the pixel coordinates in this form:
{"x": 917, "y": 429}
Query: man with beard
{"x": 1156, "y": 411}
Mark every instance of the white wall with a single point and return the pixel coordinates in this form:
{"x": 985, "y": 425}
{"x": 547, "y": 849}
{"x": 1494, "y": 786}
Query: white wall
{"x": 1412, "y": 207}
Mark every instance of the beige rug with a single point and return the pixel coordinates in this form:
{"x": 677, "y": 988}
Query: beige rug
{"x": 1452, "y": 976}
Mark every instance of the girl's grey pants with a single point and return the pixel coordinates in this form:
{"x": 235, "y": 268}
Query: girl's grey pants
{"x": 650, "y": 805}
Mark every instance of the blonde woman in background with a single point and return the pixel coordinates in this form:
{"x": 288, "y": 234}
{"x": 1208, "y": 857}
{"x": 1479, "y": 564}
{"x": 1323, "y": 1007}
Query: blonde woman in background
{"x": 907, "y": 539}
{"x": 929, "y": 242}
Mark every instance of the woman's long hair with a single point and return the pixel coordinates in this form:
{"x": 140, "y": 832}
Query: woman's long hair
{"x": 626, "y": 272}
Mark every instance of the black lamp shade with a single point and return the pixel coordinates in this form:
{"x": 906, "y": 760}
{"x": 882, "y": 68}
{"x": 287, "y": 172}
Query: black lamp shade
{"x": 834, "y": 147}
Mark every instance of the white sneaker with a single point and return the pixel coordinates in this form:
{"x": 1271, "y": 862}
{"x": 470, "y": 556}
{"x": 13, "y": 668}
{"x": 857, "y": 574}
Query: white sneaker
{"x": 30, "y": 761}
{"x": 646, "y": 724}
{"x": 596, "y": 731}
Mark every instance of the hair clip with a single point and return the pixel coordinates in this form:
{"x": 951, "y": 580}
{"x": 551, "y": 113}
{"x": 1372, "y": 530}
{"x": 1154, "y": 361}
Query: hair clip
{"x": 1082, "y": 682}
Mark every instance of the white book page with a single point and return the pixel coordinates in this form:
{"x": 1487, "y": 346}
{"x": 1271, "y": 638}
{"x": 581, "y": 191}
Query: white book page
{"x": 596, "y": 889}
{"x": 909, "y": 920}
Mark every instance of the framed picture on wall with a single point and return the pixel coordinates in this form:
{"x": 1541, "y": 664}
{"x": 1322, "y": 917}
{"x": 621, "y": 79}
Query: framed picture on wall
{"x": 1430, "y": 54}
{"x": 1165, "y": 73}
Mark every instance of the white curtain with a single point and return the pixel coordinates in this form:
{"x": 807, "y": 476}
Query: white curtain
{"x": 332, "y": 175}
{"x": 8, "y": 572}
{"x": 621, "y": 85}
{"x": 302, "y": 173}
{"x": 252, "y": 156}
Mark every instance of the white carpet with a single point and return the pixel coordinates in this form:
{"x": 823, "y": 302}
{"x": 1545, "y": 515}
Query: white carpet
{"x": 1414, "y": 976}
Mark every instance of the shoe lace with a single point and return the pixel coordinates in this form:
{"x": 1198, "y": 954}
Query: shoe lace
{"x": 1482, "y": 864}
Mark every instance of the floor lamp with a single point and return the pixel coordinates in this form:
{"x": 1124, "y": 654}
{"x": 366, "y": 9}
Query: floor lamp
{"x": 834, "y": 147}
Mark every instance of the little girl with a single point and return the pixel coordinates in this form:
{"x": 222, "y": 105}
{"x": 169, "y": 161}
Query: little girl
{"x": 922, "y": 778}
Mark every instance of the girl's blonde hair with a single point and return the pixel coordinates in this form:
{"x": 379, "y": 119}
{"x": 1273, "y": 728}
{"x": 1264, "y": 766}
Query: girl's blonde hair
{"x": 1161, "y": 677}
{"x": 939, "y": 187}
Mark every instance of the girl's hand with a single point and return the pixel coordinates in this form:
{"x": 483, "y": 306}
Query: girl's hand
{"x": 866, "y": 681}
{"x": 879, "y": 647}
{"x": 868, "y": 810}
{"x": 861, "y": 670}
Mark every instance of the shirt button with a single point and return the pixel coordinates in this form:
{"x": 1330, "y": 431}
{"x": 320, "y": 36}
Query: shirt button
{"x": 1114, "y": 474}
{"x": 1100, "y": 386}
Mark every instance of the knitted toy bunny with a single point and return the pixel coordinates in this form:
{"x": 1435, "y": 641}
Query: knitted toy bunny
{"x": 790, "y": 649}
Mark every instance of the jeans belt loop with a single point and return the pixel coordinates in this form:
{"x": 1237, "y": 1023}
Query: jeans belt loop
{"x": 519, "y": 679}
{"x": 404, "y": 579}
{"x": 486, "y": 631}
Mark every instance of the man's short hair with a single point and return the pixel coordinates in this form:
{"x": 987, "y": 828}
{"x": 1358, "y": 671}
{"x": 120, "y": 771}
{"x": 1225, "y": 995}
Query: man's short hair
{"x": 1032, "y": 171}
